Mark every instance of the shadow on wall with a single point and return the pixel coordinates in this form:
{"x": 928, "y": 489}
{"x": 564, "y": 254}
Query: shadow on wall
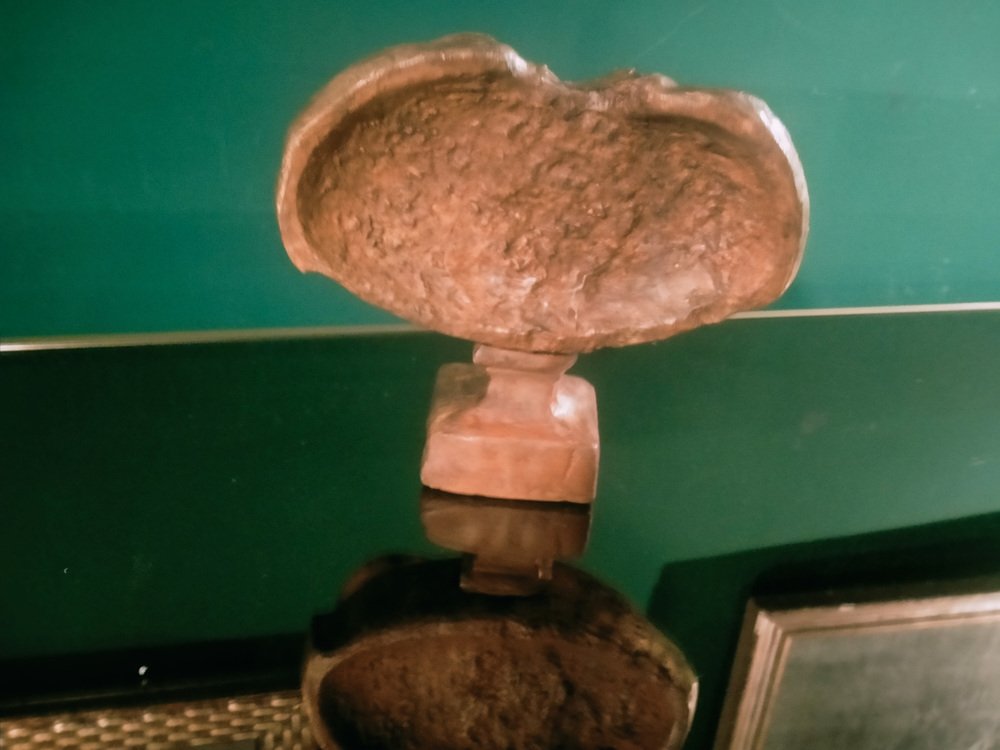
{"x": 700, "y": 603}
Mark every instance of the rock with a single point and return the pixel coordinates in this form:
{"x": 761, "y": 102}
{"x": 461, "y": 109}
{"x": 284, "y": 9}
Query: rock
{"x": 471, "y": 192}
{"x": 512, "y": 425}
{"x": 408, "y": 661}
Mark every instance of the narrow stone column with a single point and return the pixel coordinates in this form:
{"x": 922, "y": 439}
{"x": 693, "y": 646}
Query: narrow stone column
{"x": 513, "y": 425}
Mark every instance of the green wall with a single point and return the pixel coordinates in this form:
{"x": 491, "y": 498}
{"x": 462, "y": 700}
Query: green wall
{"x": 140, "y": 141}
{"x": 181, "y": 494}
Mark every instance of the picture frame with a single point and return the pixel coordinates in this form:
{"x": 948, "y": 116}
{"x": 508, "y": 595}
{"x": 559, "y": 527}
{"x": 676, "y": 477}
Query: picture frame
{"x": 914, "y": 667}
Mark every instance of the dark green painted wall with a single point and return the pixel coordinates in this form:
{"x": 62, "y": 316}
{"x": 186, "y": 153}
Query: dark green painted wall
{"x": 163, "y": 495}
{"x": 167, "y": 495}
{"x": 140, "y": 140}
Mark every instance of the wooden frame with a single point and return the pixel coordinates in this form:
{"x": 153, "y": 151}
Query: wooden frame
{"x": 865, "y": 670}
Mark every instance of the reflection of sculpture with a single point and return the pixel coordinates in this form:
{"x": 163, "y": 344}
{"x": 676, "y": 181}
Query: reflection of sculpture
{"x": 409, "y": 661}
{"x": 473, "y": 193}
{"x": 510, "y": 545}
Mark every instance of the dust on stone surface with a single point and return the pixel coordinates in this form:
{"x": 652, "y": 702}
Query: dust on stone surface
{"x": 536, "y": 217}
{"x": 490, "y": 692}
{"x": 419, "y": 664}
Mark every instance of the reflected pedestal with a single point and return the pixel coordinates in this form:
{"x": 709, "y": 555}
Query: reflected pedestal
{"x": 509, "y": 545}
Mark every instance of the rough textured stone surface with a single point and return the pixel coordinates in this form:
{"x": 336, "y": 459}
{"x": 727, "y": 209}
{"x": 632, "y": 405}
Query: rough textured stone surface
{"x": 464, "y": 189}
{"x": 408, "y": 661}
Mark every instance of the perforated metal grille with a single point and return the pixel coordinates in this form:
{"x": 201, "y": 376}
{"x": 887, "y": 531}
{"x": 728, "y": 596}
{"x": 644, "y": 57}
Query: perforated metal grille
{"x": 269, "y": 721}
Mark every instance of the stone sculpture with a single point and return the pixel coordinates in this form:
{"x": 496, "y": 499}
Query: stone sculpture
{"x": 469, "y": 191}
{"x": 473, "y": 193}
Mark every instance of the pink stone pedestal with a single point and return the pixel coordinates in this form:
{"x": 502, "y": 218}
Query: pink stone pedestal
{"x": 512, "y": 425}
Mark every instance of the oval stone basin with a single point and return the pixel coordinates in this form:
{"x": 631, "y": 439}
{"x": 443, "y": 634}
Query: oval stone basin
{"x": 408, "y": 661}
{"x": 471, "y": 192}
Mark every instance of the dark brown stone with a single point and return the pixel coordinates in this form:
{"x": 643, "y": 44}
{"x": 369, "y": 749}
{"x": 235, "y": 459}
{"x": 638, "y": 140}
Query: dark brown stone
{"x": 408, "y": 661}
{"x": 473, "y": 193}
